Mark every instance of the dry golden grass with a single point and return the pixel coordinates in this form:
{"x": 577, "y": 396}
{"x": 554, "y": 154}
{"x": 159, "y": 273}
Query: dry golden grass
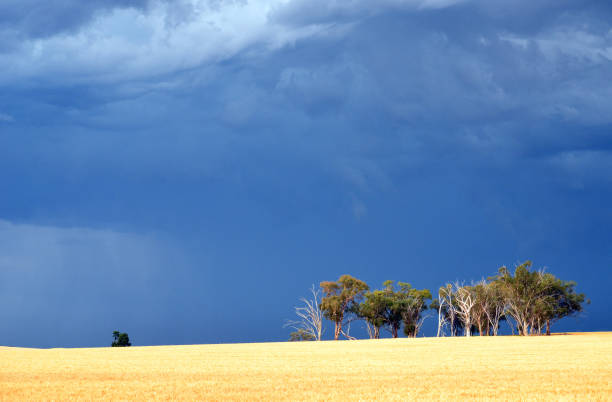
{"x": 576, "y": 367}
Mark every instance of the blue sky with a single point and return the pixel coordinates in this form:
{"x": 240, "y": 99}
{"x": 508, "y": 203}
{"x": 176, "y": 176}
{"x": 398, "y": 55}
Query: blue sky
{"x": 185, "y": 170}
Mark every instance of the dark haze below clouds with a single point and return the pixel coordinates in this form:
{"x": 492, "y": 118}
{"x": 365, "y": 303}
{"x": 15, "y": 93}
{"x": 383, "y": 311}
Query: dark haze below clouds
{"x": 196, "y": 201}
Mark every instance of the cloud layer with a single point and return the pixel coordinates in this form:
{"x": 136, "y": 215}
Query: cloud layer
{"x": 290, "y": 141}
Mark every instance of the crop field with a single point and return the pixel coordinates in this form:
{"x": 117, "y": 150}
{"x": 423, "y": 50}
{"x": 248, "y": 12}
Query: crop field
{"x": 573, "y": 366}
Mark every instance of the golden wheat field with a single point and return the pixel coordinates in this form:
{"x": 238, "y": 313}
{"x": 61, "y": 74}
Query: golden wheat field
{"x": 573, "y": 366}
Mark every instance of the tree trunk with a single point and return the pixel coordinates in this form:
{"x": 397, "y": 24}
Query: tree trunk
{"x": 548, "y": 327}
{"x": 525, "y": 329}
{"x": 337, "y": 330}
{"x": 479, "y": 328}
{"x": 394, "y": 329}
{"x": 376, "y": 332}
{"x": 439, "y": 319}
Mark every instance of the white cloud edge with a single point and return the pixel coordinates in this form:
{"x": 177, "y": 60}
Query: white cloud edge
{"x": 130, "y": 43}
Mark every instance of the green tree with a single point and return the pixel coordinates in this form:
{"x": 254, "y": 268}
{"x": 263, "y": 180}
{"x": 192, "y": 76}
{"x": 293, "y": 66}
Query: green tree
{"x": 561, "y": 301}
{"x": 522, "y": 291}
{"x": 341, "y": 298}
{"x": 396, "y": 310}
{"x": 482, "y": 305}
{"x": 120, "y": 339}
{"x": 495, "y": 308}
{"x": 535, "y": 298}
{"x": 375, "y": 310}
{"x": 412, "y": 303}
{"x": 391, "y": 307}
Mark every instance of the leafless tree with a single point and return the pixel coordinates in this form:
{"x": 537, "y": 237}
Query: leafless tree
{"x": 310, "y": 316}
{"x": 447, "y": 313}
{"x": 442, "y": 322}
{"x": 465, "y": 300}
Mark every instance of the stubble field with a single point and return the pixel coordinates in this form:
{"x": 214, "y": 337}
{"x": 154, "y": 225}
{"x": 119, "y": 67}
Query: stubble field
{"x": 574, "y": 367}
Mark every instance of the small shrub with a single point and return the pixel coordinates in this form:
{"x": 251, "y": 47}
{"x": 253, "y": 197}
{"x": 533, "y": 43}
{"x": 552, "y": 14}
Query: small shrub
{"x": 120, "y": 339}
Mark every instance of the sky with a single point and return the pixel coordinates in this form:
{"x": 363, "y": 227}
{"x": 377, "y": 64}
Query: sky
{"x": 184, "y": 170}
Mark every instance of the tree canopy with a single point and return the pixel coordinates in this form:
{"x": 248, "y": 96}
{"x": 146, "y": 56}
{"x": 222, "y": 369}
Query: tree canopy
{"x": 536, "y": 299}
{"x": 529, "y": 301}
{"x": 121, "y": 339}
{"x": 341, "y": 298}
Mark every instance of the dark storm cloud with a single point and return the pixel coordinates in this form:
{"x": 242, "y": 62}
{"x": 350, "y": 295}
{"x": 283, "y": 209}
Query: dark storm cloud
{"x": 394, "y": 91}
{"x": 25, "y": 19}
{"x": 297, "y": 143}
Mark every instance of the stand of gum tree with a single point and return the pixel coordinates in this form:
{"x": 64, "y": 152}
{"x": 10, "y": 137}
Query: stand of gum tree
{"x": 528, "y": 301}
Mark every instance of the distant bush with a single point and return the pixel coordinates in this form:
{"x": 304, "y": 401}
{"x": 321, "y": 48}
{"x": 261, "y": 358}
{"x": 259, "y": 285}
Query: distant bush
{"x": 301, "y": 335}
{"x": 120, "y": 339}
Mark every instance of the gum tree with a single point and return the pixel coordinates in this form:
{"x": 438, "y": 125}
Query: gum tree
{"x": 561, "y": 301}
{"x": 413, "y": 303}
{"x": 374, "y": 310}
{"x": 535, "y": 298}
{"x": 340, "y": 299}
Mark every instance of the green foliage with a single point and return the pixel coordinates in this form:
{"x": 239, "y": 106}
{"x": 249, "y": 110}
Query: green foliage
{"x": 301, "y": 335}
{"x": 412, "y": 302}
{"x": 537, "y": 299}
{"x": 532, "y": 299}
{"x": 390, "y": 307}
{"x": 341, "y": 298}
{"x": 559, "y": 301}
{"x": 121, "y": 339}
{"x": 375, "y": 310}
{"x": 396, "y": 310}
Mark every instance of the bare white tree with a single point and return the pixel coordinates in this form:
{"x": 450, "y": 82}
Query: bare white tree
{"x": 442, "y": 322}
{"x": 310, "y": 316}
{"x": 446, "y": 310}
{"x": 465, "y": 303}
